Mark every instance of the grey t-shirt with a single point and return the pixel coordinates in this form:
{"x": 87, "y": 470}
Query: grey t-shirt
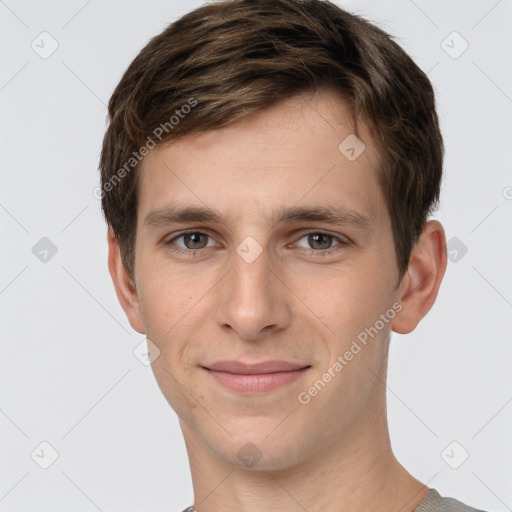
{"x": 432, "y": 502}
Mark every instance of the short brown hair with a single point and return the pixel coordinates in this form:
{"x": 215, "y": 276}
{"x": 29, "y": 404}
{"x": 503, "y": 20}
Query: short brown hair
{"x": 228, "y": 58}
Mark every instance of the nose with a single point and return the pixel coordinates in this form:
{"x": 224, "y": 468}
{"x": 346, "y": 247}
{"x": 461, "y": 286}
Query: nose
{"x": 253, "y": 301}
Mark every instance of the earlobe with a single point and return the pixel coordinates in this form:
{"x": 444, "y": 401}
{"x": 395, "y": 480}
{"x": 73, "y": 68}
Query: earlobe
{"x": 421, "y": 282}
{"x": 123, "y": 284}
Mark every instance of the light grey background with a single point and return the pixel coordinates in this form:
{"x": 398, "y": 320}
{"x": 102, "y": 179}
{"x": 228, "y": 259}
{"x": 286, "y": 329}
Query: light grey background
{"x": 68, "y": 373}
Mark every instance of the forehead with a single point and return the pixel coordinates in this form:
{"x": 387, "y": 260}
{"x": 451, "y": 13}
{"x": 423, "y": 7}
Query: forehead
{"x": 298, "y": 152}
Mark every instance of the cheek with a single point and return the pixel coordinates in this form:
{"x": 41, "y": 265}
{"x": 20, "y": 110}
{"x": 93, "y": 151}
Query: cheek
{"x": 348, "y": 305}
{"x": 177, "y": 308}
{"x": 167, "y": 294}
{"x": 347, "y": 298}
{"x": 170, "y": 304}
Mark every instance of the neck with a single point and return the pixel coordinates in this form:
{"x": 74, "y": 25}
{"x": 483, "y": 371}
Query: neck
{"x": 357, "y": 472}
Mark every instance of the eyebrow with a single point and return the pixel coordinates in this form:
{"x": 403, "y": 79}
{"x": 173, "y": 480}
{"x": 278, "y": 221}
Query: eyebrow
{"x": 332, "y": 214}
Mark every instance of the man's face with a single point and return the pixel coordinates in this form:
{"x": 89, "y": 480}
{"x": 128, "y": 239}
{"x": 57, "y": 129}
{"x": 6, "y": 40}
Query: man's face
{"x": 250, "y": 288}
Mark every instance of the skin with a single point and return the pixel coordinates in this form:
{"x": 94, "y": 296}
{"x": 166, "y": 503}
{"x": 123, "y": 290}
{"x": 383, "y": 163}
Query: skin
{"x": 289, "y": 304}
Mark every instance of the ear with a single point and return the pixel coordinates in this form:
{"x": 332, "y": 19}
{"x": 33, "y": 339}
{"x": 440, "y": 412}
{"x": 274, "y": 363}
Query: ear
{"x": 420, "y": 284}
{"x": 123, "y": 284}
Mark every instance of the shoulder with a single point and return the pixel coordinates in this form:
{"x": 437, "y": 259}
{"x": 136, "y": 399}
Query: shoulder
{"x": 434, "y": 502}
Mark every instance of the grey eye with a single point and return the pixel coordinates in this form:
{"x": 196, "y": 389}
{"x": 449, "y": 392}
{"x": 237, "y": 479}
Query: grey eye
{"x": 319, "y": 241}
{"x": 193, "y": 240}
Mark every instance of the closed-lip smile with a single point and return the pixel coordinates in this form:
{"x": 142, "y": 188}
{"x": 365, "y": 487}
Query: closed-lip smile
{"x": 255, "y": 377}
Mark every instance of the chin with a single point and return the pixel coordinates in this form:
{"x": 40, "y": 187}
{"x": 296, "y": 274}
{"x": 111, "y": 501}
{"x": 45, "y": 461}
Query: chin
{"x": 261, "y": 452}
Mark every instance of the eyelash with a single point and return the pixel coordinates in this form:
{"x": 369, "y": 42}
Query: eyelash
{"x": 312, "y": 252}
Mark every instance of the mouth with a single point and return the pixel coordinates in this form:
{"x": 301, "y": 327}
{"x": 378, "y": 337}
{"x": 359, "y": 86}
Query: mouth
{"x": 255, "y": 378}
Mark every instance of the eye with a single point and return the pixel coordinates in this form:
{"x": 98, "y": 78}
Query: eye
{"x": 321, "y": 243}
{"x": 191, "y": 241}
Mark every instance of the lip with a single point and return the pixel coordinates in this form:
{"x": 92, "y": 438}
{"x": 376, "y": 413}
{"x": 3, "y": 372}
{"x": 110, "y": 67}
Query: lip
{"x": 257, "y": 377}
